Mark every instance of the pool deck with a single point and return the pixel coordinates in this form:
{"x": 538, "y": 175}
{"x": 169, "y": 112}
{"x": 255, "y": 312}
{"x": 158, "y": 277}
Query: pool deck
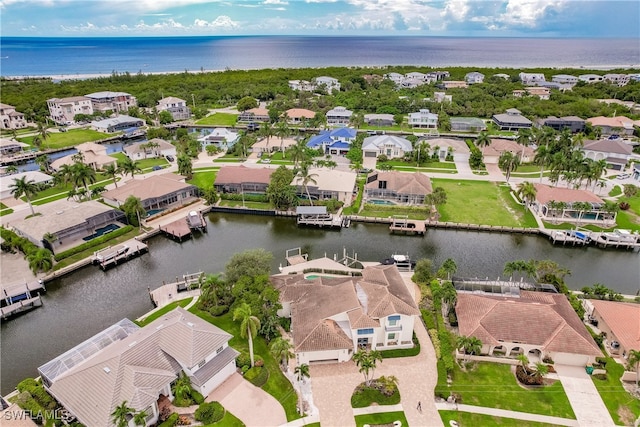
{"x": 323, "y": 264}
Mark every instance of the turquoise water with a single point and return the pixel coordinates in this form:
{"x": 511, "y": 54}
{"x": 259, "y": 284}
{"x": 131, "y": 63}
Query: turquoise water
{"x": 381, "y": 202}
{"x": 100, "y": 231}
{"x": 153, "y": 212}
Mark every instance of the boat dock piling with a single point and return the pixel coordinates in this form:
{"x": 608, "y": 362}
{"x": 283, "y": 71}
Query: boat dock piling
{"x": 20, "y": 298}
{"x": 408, "y": 226}
{"x": 113, "y": 255}
{"x": 182, "y": 228}
{"x": 168, "y": 292}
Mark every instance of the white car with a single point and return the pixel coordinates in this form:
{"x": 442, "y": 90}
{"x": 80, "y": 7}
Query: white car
{"x": 266, "y": 161}
{"x": 624, "y": 176}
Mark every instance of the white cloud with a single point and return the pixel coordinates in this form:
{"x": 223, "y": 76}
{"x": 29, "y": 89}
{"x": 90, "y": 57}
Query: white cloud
{"x": 221, "y": 22}
{"x": 528, "y": 13}
{"x": 275, "y": 2}
{"x": 457, "y": 10}
{"x": 45, "y": 3}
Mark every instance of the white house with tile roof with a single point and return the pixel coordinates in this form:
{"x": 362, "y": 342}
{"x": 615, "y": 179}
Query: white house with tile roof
{"x": 619, "y": 320}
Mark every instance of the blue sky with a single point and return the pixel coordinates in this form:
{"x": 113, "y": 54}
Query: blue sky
{"x": 528, "y": 18}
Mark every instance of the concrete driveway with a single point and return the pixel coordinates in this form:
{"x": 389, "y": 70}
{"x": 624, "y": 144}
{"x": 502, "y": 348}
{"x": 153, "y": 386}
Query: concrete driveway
{"x": 254, "y": 406}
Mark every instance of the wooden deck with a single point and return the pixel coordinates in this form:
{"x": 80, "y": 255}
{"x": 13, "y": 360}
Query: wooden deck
{"x": 180, "y": 289}
{"x": 114, "y": 255}
{"x": 178, "y": 229}
{"x": 408, "y": 226}
{"x": 20, "y": 306}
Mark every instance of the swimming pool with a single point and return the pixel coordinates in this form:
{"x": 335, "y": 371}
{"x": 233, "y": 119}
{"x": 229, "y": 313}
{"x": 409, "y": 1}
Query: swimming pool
{"x": 380, "y": 202}
{"x": 100, "y": 231}
{"x": 154, "y": 211}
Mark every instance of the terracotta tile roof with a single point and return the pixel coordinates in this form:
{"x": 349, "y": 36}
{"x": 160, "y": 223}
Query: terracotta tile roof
{"x": 359, "y": 320}
{"x": 618, "y": 121}
{"x": 499, "y": 146}
{"x": 299, "y": 113}
{"x": 623, "y": 319}
{"x": 545, "y": 194}
{"x": 544, "y": 320}
{"x": 242, "y": 174}
{"x": 403, "y": 183}
{"x": 148, "y": 187}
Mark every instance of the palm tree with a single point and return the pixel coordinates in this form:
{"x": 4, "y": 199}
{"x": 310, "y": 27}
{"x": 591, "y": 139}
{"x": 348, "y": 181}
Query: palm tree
{"x": 524, "y": 139}
{"x": 43, "y": 131}
{"x": 40, "y": 260}
{"x": 281, "y": 349}
{"x": 120, "y": 415}
{"x": 469, "y": 346}
{"x": 301, "y": 372}
{"x": 128, "y": 166}
{"x": 266, "y": 131}
{"x": 22, "y": 187}
{"x": 527, "y": 192}
{"x": 597, "y": 169}
{"x": 11, "y": 169}
{"x": 540, "y": 370}
{"x": 182, "y": 387}
{"x": 450, "y": 267}
{"x": 140, "y": 418}
{"x": 249, "y": 325}
{"x": 112, "y": 170}
{"x": 133, "y": 210}
{"x": 185, "y": 167}
{"x": 83, "y": 175}
{"x": 508, "y": 162}
{"x": 43, "y": 161}
{"x": 306, "y": 177}
{"x": 282, "y": 131}
{"x": 524, "y": 361}
{"x": 483, "y": 140}
{"x": 298, "y": 152}
{"x": 366, "y": 361}
{"x": 633, "y": 362}
{"x": 581, "y": 207}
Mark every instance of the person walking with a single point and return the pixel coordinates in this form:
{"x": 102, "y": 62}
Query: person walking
{"x": 419, "y": 406}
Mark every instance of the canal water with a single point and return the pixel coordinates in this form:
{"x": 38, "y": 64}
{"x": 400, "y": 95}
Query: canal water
{"x": 81, "y": 304}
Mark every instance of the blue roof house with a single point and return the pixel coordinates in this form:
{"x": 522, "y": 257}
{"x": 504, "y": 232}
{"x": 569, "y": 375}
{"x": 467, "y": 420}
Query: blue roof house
{"x": 337, "y": 141}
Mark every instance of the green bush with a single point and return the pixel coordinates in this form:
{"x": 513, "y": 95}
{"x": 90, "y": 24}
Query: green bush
{"x": 257, "y": 376}
{"x": 197, "y": 397}
{"x": 171, "y": 421}
{"x": 429, "y": 321}
{"x": 243, "y": 359}
{"x": 93, "y": 242}
{"x": 218, "y": 310}
{"x": 209, "y": 413}
{"x": 602, "y": 377}
{"x": 246, "y": 197}
{"x": 26, "y": 383}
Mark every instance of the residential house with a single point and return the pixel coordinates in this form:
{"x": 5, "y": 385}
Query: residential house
{"x": 564, "y": 79}
{"x": 452, "y": 84}
{"x": 531, "y": 79}
{"x": 397, "y": 78}
{"x": 338, "y": 116}
{"x": 498, "y": 146}
{"x": 442, "y": 97}
{"x": 379, "y": 119}
{"x": 176, "y": 106}
{"x": 296, "y": 116}
{"x": 269, "y": 145}
{"x": 10, "y": 118}
{"x": 254, "y": 115}
{"x": 117, "y": 124}
{"x": 518, "y": 93}
{"x": 11, "y": 146}
{"x": 590, "y": 78}
{"x": 503, "y": 76}
{"x": 511, "y": 120}
{"x": 575, "y": 124}
{"x": 372, "y": 78}
{"x": 66, "y": 223}
{"x": 631, "y": 105}
{"x": 156, "y": 192}
{"x": 440, "y": 75}
{"x": 126, "y": 363}
{"x": 6, "y": 181}
{"x": 536, "y": 324}
{"x": 467, "y": 124}
{"x": 64, "y": 110}
{"x": 423, "y": 119}
{"x": 616, "y": 153}
{"x": 242, "y": 179}
{"x": 474, "y": 77}
{"x": 301, "y": 85}
{"x": 402, "y": 188}
{"x": 116, "y": 102}
{"x": 636, "y": 172}
{"x": 332, "y": 318}
{"x": 540, "y": 92}
{"x": 442, "y": 147}
{"x": 329, "y": 184}
{"x": 337, "y": 141}
{"x": 222, "y": 138}
{"x": 414, "y": 79}
{"x": 557, "y": 205}
{"x": 153, "y": 148}
{"x": 619, "y": 321}
{"x": 390, "y": 145}
{"x": 90, "y": 153}
{"x": 329, "y": 83}
{"x": 619, "y": 125}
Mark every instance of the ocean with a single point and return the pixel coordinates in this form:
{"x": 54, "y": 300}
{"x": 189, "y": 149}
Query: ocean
{"x": 81, "y": 57}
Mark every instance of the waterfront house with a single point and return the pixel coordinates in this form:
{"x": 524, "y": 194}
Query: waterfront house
{"x": 269, "y": 145}
{"x": 619, "y": 321}
{"x": 338, "y": 116}
{"x": 452, "y": 84}
{"x": 498, "y": 146}
{"x": 590, "y": 78}
{"x": 302, "y": 85}
{"x": 329, "y": 184}
{"x": 512, "y": 120}
{"x": 11, "y": 146}
{"x": 117, "y": 124}
{"x": 257, "y": 114}
{"x": 390, "y": 145}
{"x": 66, "y": 223}
{"x": 156, "y": 192}
{"x": 474, "y": 77}
{"x": 614, "y": 151}
{"x": 7, "y": 181}
{"x": 222, "y": 138}
{"x": 397, "y": 187}
{"x": 332, "y": 318}
{"x": 176, "y": 106}
{"x": 536, "y": 324}
{"x": 617, "y": 79}
{"x": 92, "y": 154}
{"x": 558, "y": 205}
{"x": 297, "y": 116}
{"x": 328, "y": 83}
{"x": 423, "y": 119}
{"x": 379, "y": 119}
{"x": 539, "y": 91}
{"x": 10, "y": 118}
{"x": 112, "y": 102}
{"x": 467, "y": 124}
{"x": 619, "y": 125}
{"x": 242, "y": 179}
{"x": 336, "y": 141}
{"x": 126, "y": 363}
{"x": 531, "y": 79}
{"x": 575, "y": 124}
{"x": 153, "y": 148}
{"x": 64, "y": 110}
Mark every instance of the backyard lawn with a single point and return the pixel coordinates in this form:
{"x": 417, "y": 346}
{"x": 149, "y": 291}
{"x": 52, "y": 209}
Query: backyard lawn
{"x": 481, "y": 202}
{"x": 623, "y": 407}
{"x": 5, "y": 210}
{"x": 384, "y": 418}
{"x": 246, "y": 204}
{"x": 278, "y": 385}
{"x": 229, "y": 420}
{"x": 219, "y": 119}
{"x": 469, "y": 419}
{"x": 58, "y": 192}
{"x": 203, "y": 178}
{"x": 70, "y": 138}
{"x": 164, "y": 310}
{"x": 385, "y": 211}
{"x": 145, "y": 164}
{"x": 493, "y": 385}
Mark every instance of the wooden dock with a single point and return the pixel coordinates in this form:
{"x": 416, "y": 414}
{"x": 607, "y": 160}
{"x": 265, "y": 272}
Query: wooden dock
{"x": 114, "y": 255}
{"x": 189, "y": 285}
{"x": 20, "y": 307}
{"x": 20, "y": 298}
{"x": 565, "y": 237}
{"x": 178, "y": 229}
{"x": 408, "y": 226}
{"x": 328, "y": 221}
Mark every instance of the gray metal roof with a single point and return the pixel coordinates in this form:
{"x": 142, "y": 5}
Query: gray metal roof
{"x": 311, "y": 210}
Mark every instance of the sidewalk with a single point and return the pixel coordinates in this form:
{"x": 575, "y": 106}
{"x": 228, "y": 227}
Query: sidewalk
{"x": 445, "y": 406}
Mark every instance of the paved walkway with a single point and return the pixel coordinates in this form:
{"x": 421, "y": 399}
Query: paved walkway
{"x": 444, "y": 406}
{"x": 377, "y": 409}
{"x": 584, "y": 397}
{"x": 254, "y": 406}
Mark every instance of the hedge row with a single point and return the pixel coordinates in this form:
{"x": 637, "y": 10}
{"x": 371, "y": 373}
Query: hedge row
{"x": 93, "y": 242}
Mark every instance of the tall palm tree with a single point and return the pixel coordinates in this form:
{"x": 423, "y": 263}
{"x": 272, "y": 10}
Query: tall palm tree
{"x": 597, "y": 169}
{"x": 366, "y": 361}
{"x": 112, "y": 170}
{"x": 483, "y": 140}
{"x": 524, "y": 139}
{"x": 524, "y": 361}
{"x": 43, "y": 131}
{"x": 298, "y": 152}
{"x": 450, "y": 267}
{"x": 134, "y": 210}
{"x": 120, "y": 415}
{"x": 128, "y": 166}
{"x": 508, "y": 162}
{"x": 22, "y": 187}
{"x": 280, "y": 348}
{"x": 40, "y": 260}
{"x": 83, "y": 175}
{"x": 266, "y": 131}
{"x": 185, "y": 167}
{"x": 43, "y": 161}
{"x": 301, "y": 372}
{"x": 633, "y": 362}
{"x": 282, "y": 131}
{"x": 469, "y": 346}
{"x": 306, "y": 177}
{"x": 527, "y": 192}
{"x": 249, "y": 325}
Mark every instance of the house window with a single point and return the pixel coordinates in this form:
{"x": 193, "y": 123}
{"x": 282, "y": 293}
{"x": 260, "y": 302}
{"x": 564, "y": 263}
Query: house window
{"x": 219, "y": 350}
{"x": 391, "y": 336}
{"x": 201, "y": 364}
{"x": 367, "y": 331}
{"x": 382, "y": 184}
{"x": 393, "y": 320}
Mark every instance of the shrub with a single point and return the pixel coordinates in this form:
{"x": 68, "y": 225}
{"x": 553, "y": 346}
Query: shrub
{"x": 244, "y": 369}
{"x": 527, "y": 379}
{"x": 25, "y": 384}
{"x": 453, "y": 319}
{"x": 209, "y": 413}
{"x": 548, "y": 359}
{"x": 243, "y": 359}
{"x": 602, "y": 377}
{"x": 285, "y": 322}
{"x": 601, "y": 360}
{"x": 624, "y": 206}
{"x": 218, "y": 310}
{"x": 436, "y": 342}
{"x": 257, "y": 376}
{"x": 93, "y": 242}
{"x": 197, "y": 397}
{"x": 171, "y": 421}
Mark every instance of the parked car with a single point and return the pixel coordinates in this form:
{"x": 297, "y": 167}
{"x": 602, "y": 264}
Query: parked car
{"x": 266, "y": 161}
{"x": 157, "y": 167}
{"x": 169, "y": 158}
{"x": 624, "y": 176}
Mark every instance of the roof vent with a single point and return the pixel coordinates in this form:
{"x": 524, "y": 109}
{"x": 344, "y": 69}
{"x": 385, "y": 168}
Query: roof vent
{"x": 190, "y": 324}
{"x": 133, "y": 343}
{"x": 159, "y": 326}
{"x": 59, "y": 212}
{"x": 107, "y": 370}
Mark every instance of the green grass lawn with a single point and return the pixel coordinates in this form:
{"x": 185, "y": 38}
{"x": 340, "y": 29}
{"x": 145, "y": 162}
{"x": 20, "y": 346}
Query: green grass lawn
{"x": 5, "y": 210}
{"x": 203, "y": 178}
{"x": 229, "y": 159}
{"x": 278, "y": 385}
{"x": 468, "y": 419}
{"x": 480, "y": 202}
{"x": 379, "y": 211}
{"x": 400, "y": 164}
{"x": 58, "y": 192}
{"x": 623, "y": 407}
{"x": 247, "y": 204}
{"x": 625, "y": 220}
{"x": 494, "y": 385}
{"x": 70, "y": 138}
{"x": 219, "y": 119}
{"x": 147, "y": 164}
{"x": 382, "y": 418}
{"x": 164, "y": 310}
{"x": 370, "y": 396}
{"x": 615, "y": 191}
{"x": 229, "y": 420}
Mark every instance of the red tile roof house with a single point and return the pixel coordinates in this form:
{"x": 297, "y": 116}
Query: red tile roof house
{"x": 498, "y": 146}
{"x": 554, "y": 204}
{"x": 537, "y": 324}
{"x": 403, "y": 188}
{"x": 620, "y": 321}
{"x": 331, "y": 318}
{"x": 614, "y": 125}
{"x": 299, "y": 115}
{"x": 242, "y": 179}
